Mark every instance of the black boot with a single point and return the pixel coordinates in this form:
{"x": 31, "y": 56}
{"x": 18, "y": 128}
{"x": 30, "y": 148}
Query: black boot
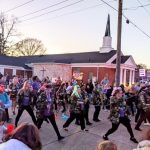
{"x": 105, "y": 137}
{"x": 60, "y": 138}
{"x": 89, "y": 123}
{"x": 136, "y": 128}
{"x": 133, "y": 140}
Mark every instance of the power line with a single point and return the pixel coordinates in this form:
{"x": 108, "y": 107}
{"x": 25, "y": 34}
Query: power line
{"x": 143, "y": 7}
{"x": 70, "y": 13}
{"x": 135, "y": 8}
{"x": 19, "y": 6}
{"x": 80, "y": 10}
{"x": 109, "y": 5}
{"x": 44, "y": 8}
{"x": 52, "y": 11}
{"x": 127, "y": 19}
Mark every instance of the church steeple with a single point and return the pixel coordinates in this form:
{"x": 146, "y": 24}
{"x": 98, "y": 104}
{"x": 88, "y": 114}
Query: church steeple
{"x": 106, "y": 47}
{"x": 107, "y": 32}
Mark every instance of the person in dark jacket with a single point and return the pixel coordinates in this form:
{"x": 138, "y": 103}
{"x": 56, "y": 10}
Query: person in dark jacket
{"x": 36, "y": 86}
{"x": 89, "y": 89}
{"x": 76, "y": 109}
{"x": 61, "y": 96}
{"x": 14, "y": 88}
{"x": 86, "y": 105}
{"x": 119, "y": 114}
{"x": 144, "y": 106}
{"x": 97, "y": 104}
{"x": 24, "y": 100}
{"x": 44, "y": 109}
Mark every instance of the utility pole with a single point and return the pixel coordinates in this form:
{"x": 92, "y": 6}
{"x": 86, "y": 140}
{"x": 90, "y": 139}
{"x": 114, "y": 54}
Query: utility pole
{"x": 0, "y": 43}
{"x": 119, "y": 30}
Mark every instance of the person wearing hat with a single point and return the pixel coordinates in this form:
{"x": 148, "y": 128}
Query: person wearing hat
{"x": 44, "y": 108}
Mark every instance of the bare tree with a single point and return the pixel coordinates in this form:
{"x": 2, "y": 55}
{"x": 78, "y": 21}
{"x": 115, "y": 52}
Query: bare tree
{"x": 28, "y": 47}
{"x": 7, "y": 33}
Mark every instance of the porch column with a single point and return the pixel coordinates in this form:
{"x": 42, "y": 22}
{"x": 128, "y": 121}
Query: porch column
{"x": 124, "y": 79}
{"x": 133, "y": 76}
{"x": 121, "y": 75}
{"x": 14, "y": 72}
{"x": 97, "y": 72}
{"x": 2, "y": 70}
{"x": 130, "y": 77}
{"x": 24, "y": 73}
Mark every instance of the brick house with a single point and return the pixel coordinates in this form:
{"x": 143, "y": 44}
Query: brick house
{"x": 14, "y": 66}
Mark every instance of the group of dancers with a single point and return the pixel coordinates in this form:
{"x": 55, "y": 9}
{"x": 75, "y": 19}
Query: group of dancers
{"x": 42, "y": 99}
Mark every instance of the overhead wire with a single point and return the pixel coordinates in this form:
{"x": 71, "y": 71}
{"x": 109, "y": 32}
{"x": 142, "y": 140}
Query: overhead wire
{"x": 143, "y": 7}
{"x": 44, "y": 8}
{"x": 19, "y": 6}
{"x": 127, "y": 19}
{"x": 135, "y": 8}
{"x": 73, "y": 12}
{"x": 53, "y": 10}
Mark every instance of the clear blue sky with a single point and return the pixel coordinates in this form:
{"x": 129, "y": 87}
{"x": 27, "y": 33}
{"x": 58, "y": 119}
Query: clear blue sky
{"x": 83, "y": 30}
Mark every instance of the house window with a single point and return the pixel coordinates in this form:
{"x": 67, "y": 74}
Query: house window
{"x": 76, "y": 69}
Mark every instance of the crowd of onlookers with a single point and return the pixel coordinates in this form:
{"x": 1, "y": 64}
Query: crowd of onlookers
{"x": 42, "y": 99}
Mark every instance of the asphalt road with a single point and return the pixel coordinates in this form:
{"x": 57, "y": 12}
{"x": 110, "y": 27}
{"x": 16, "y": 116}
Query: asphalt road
{"x": 75, "y": 139}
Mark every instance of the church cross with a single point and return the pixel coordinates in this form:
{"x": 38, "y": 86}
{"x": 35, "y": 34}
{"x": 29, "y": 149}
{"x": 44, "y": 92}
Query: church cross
{"x": 43, "y": 71}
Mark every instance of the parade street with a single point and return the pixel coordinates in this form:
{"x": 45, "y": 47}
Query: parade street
{"x": 75, "y": 139}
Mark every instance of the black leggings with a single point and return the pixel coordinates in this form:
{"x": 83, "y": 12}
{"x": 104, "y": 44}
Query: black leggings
{"x": 132, "y": 107}
{"x": 126, "y": 122}
{"x": 34, "y": 100}
{"x": 29, "y": 110}
{"x": 96, "y": 113}
{"x": 143, "y": 116}
{"x": 85, "y": 114}
{"x": 7, "y": 114}
{"x": 53, "y": 122}
{"x": 138, "y": 111}
{"x": 72, "y": 117}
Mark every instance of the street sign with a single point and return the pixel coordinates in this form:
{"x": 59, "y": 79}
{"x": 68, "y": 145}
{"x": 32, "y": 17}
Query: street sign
{"x": 142, "y": 72}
